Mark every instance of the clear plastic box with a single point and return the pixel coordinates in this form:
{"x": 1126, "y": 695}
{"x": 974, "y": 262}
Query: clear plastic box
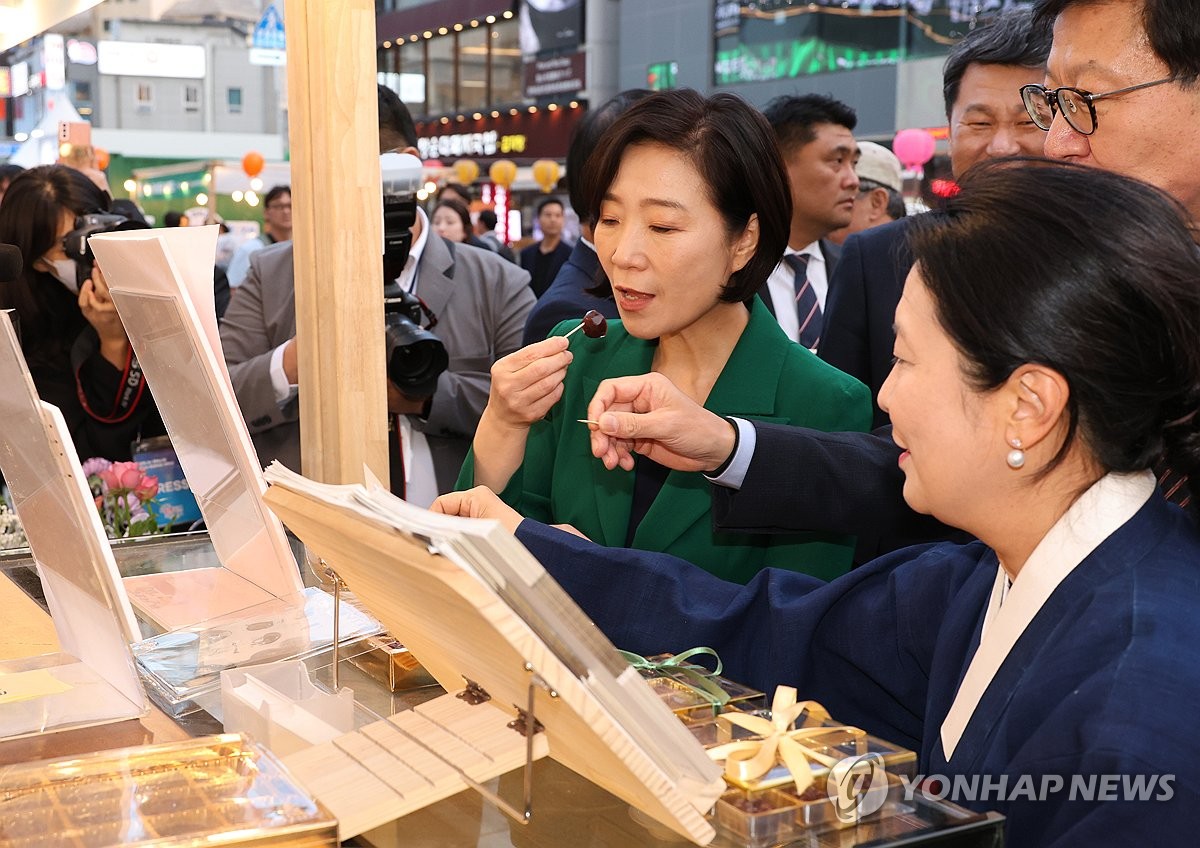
{"x": 216, "y": 791}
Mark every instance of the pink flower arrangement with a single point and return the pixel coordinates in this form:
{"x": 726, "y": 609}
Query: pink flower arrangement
{"x": 124, "y": 495}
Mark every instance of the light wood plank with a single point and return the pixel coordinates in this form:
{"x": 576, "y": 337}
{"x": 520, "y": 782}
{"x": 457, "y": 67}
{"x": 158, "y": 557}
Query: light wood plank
{"x": 337, "y": 235}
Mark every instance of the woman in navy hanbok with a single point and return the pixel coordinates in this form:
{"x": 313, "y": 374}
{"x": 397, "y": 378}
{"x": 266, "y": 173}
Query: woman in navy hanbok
{"x": 1047, "y": 357}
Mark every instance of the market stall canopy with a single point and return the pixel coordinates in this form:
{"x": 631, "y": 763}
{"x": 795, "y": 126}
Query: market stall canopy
{"x": 227, "y": 175}
{"x": 23, "y": 19}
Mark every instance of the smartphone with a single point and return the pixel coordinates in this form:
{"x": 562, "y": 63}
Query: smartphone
{"x": 75, "y": 133}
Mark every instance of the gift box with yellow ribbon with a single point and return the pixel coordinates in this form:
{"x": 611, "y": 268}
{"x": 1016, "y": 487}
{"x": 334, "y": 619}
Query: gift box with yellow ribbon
{"x": 795, "y": 754}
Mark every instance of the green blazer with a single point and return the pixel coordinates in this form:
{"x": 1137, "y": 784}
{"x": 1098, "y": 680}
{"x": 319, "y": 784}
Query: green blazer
{"x": 768, "y": 378}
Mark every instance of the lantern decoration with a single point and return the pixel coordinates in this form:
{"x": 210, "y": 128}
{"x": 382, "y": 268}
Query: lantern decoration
{"x": 503, "y": 172}
{"x": 913, "y": 147}
{"x": 102, "y": 158}
{"x": 545, "y": 174}
{"x": 252, "y": 164}
{"x": 466, "y": 170}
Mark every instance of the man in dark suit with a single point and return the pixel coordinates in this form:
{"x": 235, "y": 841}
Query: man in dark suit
{"x": 568, "y": 298}
{"x": 543, "y": 259}
{"x": 816, "y": 139}
{"x": 480, "y": 300}
{"x": 981, "y": 82}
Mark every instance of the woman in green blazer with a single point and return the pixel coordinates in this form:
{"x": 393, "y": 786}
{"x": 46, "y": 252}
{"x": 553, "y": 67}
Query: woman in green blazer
{"x": 692, "y": 211}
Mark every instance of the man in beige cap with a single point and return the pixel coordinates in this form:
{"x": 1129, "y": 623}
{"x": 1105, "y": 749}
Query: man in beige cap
{"x": 880, "y": 191}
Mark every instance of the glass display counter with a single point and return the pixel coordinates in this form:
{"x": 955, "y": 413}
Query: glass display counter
{"x": 567, "y": 809}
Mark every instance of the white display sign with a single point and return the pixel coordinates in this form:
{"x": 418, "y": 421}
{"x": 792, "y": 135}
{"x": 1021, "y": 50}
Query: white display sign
{"x": 55, "y": 61}
{"x": 20, "y": 79}
{"x": 136, "y": 59}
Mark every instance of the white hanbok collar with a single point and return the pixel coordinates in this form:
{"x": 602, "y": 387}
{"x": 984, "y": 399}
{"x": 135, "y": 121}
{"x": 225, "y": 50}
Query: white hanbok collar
{"x": 1096, "y": 515}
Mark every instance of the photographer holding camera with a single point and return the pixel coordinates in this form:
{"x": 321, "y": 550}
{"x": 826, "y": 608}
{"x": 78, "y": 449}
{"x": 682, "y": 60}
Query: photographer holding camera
{"x": 444, "y": 303}
{"x": 72, "y": 338}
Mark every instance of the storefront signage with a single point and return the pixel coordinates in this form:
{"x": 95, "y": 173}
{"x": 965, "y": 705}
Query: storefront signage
{"x": 559, "y": 75}
{"x": 137, "y": 59}
{"x": 728, "y": 15}
{"x": 459, "y": 144}
{"x": 550, "y": 25}
{"x": 471, "y": 144}
{"x": 544, "y": 134}
{"x": 20, "y": 79}
{"x": 662, "y": 75}
{"x": 54, "y": 60}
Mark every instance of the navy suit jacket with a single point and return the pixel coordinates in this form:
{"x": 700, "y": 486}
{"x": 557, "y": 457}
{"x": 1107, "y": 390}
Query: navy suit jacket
{"x": 804, "y": 479}
{"x": 1101, "y": 682}
{"x": 566, "y": 298}
{"x": 857, "y": 335}
{"x": 558, "y": 257}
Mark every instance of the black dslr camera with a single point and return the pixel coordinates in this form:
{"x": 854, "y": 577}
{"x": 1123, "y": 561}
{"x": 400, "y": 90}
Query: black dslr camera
{"x": 415, "y": 356}
{"x": 75, "y": 243}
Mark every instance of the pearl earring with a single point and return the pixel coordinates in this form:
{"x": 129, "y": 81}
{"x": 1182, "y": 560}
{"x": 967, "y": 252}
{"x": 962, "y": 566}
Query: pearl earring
{"x": 1016, "y": 456}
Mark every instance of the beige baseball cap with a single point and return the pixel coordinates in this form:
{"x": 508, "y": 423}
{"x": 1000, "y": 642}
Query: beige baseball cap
{"x": 880, "y": 165}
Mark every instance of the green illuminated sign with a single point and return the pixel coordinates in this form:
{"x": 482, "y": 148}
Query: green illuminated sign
{"x": 661, "y": 75}
{"x": 788, "y": 59}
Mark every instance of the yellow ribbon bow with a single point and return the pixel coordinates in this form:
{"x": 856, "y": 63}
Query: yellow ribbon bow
{"x": 750, "y": 759}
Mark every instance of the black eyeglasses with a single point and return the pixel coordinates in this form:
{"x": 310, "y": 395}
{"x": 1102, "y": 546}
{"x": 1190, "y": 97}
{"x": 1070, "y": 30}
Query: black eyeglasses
{"x": 1075, "y": 104}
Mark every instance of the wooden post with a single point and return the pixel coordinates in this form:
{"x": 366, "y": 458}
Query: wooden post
{"x": 337, "y": 232}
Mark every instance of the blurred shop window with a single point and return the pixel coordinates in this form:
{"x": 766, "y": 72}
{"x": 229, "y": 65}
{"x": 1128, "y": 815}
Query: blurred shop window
{"x": 233, "y": 100}
{"x": 412, "y": 85}
{"x": 507, "y": 78}
{"x": 441, "y": 74}
{"x": 472, "y": 64}
{"x": 191, "y": 98}
{"x": 143, "y": 97}
{"x": 81, "y": 97}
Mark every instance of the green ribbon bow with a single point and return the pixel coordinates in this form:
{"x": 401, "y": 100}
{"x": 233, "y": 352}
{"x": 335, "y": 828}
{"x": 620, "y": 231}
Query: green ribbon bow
{"x": 695, "y": 676}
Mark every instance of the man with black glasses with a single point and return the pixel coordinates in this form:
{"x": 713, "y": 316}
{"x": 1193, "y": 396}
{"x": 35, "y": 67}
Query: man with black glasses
{"x": 1111, "y": 103}
{"x": 1108, "y": 102}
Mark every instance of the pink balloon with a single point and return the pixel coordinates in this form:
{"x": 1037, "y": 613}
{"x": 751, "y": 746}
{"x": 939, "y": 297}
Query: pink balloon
{"x": 913, "y": 147}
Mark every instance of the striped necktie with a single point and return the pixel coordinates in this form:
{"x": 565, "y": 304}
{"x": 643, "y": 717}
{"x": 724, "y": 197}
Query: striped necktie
{"x": 808, "y": 309}
{"x": 1172, "y": 484}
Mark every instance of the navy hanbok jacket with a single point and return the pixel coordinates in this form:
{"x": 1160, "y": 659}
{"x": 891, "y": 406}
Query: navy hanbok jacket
{"x": 1104, "y": 681}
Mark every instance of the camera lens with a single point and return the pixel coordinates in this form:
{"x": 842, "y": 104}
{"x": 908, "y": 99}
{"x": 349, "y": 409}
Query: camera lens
{"x": 415, "y": 357}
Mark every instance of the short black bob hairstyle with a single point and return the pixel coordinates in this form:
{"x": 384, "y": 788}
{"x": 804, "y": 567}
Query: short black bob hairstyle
{"x": 733, "y": 150}
{"x": 1045, "y": 262}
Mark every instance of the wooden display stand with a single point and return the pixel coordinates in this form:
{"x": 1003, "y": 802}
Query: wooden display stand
{"x": 479, "y": 612}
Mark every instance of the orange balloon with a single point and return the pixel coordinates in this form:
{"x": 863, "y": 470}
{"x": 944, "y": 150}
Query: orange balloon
{"x": 503, "y": 172}
{"x": 252, "y": 164}
{"x": 545, "y": 174}
{"x": 102, "y": 158}
{"x": 466, "y": 170}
